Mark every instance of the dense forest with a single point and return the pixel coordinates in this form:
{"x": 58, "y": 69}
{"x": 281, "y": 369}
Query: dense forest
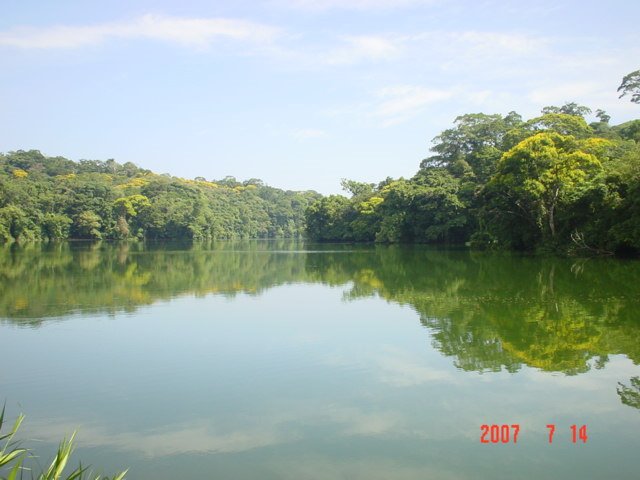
{"x": 56, "y": 198}
{"x": 553, "y": 182}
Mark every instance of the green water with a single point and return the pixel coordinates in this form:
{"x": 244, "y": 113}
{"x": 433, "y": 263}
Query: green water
{"x": 280, "y": 360}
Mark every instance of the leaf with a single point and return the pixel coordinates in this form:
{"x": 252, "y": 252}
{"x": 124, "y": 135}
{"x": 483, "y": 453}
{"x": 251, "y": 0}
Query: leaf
{"x": 121, "y": 475}
{"x": 9, "y": 457}
{"x": 13, "y": 474}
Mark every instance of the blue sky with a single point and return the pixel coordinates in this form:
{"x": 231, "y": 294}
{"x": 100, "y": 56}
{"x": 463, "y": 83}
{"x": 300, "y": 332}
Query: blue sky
{"x": 299, "y": 93}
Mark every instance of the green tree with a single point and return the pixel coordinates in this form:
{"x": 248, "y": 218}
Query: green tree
{"x": 472, "y": 139}
{"x": 623, "y": 180}
{"x": 434, "y": 210}
{"x": 326, "y": 218}
{"x": 537, "y": 177}
{"x": 357, "y": 189}
{"x": 569, "y": 108}
{"x": 126, "y": 209}
{"x": 87, "y": 225}
{"x": 15, "y": 224}
{"x": 130, "y": 201}
{"x": 562, "y": 123}
{"x": 55, "y": 226}
{"x": 602, "y": 116}
{"x": 366, "y": 220}
{"x": 629, "y": 130}
{"x": 631, "y": 86}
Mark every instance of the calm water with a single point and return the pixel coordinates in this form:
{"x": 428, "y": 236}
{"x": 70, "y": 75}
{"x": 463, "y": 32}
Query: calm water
{"x": 278, "y": 360}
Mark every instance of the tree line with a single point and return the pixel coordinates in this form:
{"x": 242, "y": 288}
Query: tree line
{"x": 553, "y": 182}
{"x": 55, "y": 198}
{"x": 550, "y": 182}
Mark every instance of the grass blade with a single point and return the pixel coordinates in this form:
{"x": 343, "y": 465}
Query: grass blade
{"x": 13, "y": 474}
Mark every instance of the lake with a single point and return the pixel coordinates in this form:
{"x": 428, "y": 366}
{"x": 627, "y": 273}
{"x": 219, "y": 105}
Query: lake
{"x": 284, "y": 360}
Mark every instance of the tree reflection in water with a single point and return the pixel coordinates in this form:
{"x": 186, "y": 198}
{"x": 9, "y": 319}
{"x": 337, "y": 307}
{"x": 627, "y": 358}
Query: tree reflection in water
{"x": 487, "y": 311}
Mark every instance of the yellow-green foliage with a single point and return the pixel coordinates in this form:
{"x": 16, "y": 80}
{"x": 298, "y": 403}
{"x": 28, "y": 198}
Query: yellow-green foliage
{"x": 69, "y": 176}
{"x": 135, "y": 183}
{"x": 130, "y": 205}
{"x": 369, "y": 206}
{"x": 201, "y": 183}
{"x": 92, "y": 199}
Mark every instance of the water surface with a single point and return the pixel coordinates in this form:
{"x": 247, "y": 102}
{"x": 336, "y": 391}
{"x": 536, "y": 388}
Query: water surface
{"x": 280, "y": 360}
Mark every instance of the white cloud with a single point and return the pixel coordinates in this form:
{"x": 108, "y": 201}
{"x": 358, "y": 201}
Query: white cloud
{"x": 198, "y": 437}
{"x": 364, "y": 47}
{"x": 400, "y": 102}
{"x": 335, "y": 51}
{"x": 485, "y": 52}
{"x": 395, "y": 367}
{"x": 492, "y": 43}
{"x": 198, "y": 32}
{"x": 433, "y": 49}
{"x": 402, "y": 369}
{"x": 356, "y": 422}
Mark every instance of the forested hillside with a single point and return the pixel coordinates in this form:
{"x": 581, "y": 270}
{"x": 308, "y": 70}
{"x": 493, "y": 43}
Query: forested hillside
{"x": 56, "y": 198}
{"x": 554, "y": 182}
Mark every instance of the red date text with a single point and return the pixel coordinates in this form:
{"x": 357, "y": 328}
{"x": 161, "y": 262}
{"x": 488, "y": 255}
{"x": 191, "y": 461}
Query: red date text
{"x": 499, "y": 433}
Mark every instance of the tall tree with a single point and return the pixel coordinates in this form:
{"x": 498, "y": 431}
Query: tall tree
{"x": 569, "y": 108}
{"x": 539, "y": 175}
{"x": 631, "y": 86}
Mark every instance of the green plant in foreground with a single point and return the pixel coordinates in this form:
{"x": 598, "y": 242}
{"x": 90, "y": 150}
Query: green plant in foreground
{"x": 10, "y": 453}
{"x": 12, "y": 456}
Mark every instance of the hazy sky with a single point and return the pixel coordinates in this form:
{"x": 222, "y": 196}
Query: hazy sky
{"x": 299, "y": 93}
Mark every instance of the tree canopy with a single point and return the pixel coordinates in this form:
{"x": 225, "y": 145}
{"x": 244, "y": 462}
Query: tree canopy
{"x": 553, "y": 182}
{"x": 631, "y": 86}
{"x": 55, "y": 198}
